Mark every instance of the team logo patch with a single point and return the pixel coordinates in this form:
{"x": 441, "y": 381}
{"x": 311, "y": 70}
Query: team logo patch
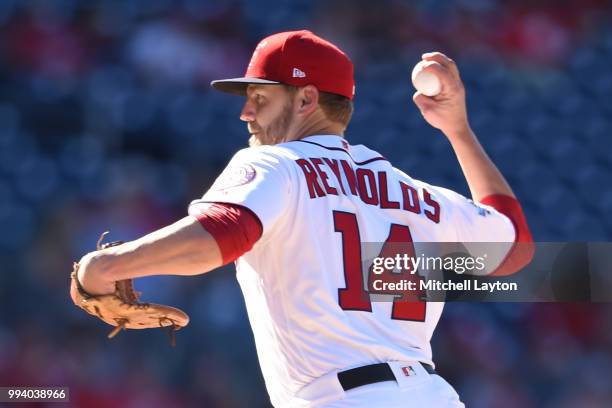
{"x": 234, "y": 177}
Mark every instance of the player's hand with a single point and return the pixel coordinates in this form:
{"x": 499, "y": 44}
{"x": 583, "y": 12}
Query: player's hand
{"x": 447, "y": 110}
{"x": 90, "y": 275}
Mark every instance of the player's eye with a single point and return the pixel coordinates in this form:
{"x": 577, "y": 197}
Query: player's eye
{"x": 259, "y": 99}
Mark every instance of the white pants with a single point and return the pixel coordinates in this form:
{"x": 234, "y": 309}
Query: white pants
{"x": 416, "y": 389}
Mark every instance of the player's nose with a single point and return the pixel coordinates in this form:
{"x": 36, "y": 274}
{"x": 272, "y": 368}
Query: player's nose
{"x": 248, "y": 113}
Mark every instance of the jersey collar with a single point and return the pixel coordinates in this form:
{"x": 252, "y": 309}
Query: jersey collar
{"x": 329, "y": 141}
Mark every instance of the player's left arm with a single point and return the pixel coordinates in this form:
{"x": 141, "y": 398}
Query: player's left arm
{"x": 182, "y": 248}
{"x": 447, "y": 112}
{"x": 214, "y": 234}
{"x": 221, "y": 227}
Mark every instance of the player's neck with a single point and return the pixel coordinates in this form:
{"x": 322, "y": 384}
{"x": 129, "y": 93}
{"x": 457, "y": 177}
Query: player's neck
{"x": 317, "y": 124}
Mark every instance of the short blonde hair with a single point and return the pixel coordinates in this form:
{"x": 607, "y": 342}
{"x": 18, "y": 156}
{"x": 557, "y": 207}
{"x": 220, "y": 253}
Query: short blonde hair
{"x": 336, "y": 108}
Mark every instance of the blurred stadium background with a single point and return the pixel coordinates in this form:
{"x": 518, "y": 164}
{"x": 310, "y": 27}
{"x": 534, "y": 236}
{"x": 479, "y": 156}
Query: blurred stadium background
{"x": 107, "y": 121}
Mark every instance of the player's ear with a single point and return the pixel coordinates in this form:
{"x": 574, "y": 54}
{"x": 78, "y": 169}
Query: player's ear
{"x": 307, "y": 99}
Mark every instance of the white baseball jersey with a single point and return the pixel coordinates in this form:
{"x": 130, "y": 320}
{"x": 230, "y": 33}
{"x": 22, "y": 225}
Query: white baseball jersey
{"x": 317, "y": 199}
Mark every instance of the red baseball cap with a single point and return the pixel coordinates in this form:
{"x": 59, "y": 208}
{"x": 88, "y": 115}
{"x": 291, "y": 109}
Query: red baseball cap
{"x": 297, "y": 58}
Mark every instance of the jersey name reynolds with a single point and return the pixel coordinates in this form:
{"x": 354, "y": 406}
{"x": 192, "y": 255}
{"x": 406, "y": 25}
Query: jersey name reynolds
{"x": 325, "y": 176}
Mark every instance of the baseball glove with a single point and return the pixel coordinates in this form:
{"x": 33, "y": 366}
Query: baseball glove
{"x": 123, "y": 309}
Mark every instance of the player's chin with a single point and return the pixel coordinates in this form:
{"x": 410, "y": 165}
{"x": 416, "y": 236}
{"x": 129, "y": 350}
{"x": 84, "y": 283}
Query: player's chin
{"x": 254, "y": 141}
{"x": 262, "y": 139}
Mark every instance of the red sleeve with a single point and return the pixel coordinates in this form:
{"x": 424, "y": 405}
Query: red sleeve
{"x": 521, "y": 253}
{"x": 235, "y": 228}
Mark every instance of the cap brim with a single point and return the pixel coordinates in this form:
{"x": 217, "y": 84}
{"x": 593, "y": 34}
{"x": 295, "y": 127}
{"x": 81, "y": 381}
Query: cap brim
{"x": 237, "y": 86}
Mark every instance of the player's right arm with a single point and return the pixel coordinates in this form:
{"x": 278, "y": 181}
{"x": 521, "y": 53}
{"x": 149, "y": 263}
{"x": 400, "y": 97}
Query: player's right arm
{"x": 447, "y": 112}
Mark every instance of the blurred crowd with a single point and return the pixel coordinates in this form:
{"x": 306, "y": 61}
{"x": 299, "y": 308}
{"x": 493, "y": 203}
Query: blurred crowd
{"x": 107, "y": 122}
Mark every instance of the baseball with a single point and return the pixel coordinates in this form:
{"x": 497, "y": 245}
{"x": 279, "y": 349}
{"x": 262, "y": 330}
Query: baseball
{"x": 425, "y": 82}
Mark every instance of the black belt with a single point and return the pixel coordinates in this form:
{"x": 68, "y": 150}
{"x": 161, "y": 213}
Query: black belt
{"x": 356, "y": 377}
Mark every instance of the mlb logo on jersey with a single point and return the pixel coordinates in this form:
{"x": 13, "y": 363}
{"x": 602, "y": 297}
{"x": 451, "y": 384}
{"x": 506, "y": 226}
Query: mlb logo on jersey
{"x": 483, "y": 212}
{"x": 408, "y": 371}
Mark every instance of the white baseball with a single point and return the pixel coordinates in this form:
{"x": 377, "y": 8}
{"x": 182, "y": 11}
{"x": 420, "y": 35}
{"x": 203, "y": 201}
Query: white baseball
{"x": 425, "y": 82}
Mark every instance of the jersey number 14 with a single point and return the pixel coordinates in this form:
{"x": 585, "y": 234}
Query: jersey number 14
{"x": 353, "y": 296}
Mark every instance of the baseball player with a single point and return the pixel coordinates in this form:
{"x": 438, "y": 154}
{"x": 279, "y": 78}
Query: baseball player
{"x": 292, "y": 211}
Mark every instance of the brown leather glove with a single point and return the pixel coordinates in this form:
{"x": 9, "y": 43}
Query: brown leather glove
{"x": 123, "y": 309}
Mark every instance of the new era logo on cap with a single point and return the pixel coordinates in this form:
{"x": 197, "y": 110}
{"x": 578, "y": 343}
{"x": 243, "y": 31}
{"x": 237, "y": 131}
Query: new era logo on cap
{"x": 298, "y": 73}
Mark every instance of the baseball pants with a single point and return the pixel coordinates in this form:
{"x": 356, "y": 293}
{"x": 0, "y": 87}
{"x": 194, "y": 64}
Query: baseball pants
{"x": 419, "y": 390}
